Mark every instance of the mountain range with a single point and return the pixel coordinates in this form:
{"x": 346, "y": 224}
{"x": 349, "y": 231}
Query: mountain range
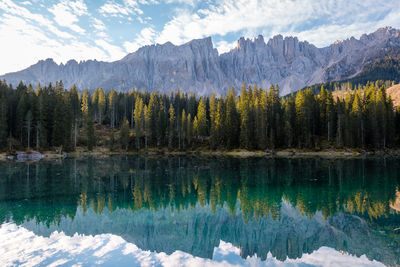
{"x": 198, "y": 67}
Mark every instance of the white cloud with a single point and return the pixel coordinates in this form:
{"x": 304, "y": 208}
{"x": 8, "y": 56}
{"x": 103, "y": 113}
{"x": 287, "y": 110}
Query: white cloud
{"x": 186, "y": 2}
{"x": 149, "y": 2}
{"x": 98, "y": 24}
{"x": 114, "y": 52}
{"x": 114, "y": 9}
{"x": 10, "y": 8}
{"x": 269, "y": 17}
{"x": 66, "y": 14}
{"x": 23, "y": 29}
{"x": 224, "y": 46}
{"x": 22, "y": 35}
{"x": 145, "y": 37}
{"x": 319, "y": 22}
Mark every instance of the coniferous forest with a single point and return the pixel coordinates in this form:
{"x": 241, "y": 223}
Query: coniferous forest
{"x": 49, "y": 117}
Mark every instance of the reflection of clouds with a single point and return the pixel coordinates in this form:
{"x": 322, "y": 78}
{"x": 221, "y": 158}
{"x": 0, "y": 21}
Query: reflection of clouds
{"x": 19, "y": 246}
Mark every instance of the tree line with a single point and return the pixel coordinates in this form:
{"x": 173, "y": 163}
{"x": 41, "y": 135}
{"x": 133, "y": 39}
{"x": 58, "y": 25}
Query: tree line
{"x": 51, "y": 116}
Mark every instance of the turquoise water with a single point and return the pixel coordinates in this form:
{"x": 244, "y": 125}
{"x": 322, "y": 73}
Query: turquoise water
{"x": 282, "y": 209}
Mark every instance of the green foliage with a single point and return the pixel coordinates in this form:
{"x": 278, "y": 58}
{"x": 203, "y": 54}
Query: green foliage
{"x": 256, "y": 119}
{"x": 124, "y": 135}
{"x": 90, "y": 134}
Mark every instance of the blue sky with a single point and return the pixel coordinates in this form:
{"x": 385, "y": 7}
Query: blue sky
{"x": 31, "y": 30}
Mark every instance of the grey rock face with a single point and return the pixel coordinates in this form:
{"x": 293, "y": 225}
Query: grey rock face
{"x": 196, "y": 65}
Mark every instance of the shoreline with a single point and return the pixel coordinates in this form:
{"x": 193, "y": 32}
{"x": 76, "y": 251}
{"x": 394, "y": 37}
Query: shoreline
{"x": 236, "y": 153}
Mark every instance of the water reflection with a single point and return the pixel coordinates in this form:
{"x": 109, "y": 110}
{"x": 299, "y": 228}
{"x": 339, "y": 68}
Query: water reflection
{"x": 284, "y": 206}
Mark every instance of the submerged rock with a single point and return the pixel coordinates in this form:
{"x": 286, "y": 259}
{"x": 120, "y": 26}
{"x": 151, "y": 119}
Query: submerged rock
{"x": 24, "y": 156}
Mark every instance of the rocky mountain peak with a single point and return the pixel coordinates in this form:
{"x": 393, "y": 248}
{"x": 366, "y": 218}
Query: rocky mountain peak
{"x": 196, "y": 66}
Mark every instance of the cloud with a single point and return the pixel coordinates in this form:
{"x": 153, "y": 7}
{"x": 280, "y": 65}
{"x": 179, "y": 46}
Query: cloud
{"x": 186, "y": 2}
{"x": 22, "y": 35}
{"x": 114, "y": 52}
{"x": 66, "y": 14}
{"x": 145, "y": 37}
{"x": 297, "y": 17}
{"x": 98, "y": 24}
{"x": 114, "y": 9}
{"x": 10, "y": 8}
{"x": 224, "y": 46}
{"x": 67, "y": 32}
{"x": 23, "y": 29}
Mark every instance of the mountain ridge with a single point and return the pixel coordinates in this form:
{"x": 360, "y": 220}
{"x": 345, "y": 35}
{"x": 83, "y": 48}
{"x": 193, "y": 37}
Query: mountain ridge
{"x": 197, "y": 66}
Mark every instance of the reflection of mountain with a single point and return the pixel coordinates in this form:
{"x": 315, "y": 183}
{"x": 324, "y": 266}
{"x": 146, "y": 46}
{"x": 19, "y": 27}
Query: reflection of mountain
{"x": 285, "y": 206}
{"x": 112, "y": 250}
{"x": 199, "y": 230}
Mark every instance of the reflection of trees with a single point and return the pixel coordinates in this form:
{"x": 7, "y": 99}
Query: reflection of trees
{"x": 364, "y": 187}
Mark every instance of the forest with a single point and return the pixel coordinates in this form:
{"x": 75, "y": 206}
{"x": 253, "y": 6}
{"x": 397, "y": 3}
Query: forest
{"x": 50, "y": 117}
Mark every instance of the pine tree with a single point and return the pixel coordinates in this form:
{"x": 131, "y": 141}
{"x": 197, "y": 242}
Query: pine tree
{"x": 147, "y": 125}
{"x": 20, "y": 116}
{"x": 219, "y": 123}
{"x": 189, "y": 129}
{"x": 161, "y": 124}
{"x": 3, "y": 115}
{"x": 232, "y": 126}
{"x": 357, "y": 123}
{"x": 213, "y": 117}
{"x": 41, "y": 124}
{"x": 69, "y": 144}
{"x": 75, "y": 107}
{"x": 245, "y": 115}
{"x": 290, "y": 121}
{"x": 171, "y": 126}
{"x": 28, "y": 120}
{"x": 183, "y": 128}
{"x": 60, "y": 123}
{"x": 153, "y": 108}
{"x": 90, "y": 133}
{"x": 101, "y": 105}
{"x": 202, "y": 130}
{"x": 124, "y": 135}
{"x": 381, "y": 117}
{"x": 85, "y": 103}
{"x": 138, "y": 120}
{"x": 112, "y": 100}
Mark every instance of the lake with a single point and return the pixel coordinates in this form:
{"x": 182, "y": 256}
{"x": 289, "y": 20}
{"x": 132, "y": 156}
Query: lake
{"x": 192, "y": 211}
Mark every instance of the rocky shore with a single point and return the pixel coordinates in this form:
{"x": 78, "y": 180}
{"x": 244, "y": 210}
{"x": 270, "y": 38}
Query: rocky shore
{"x": 241, "y": 153}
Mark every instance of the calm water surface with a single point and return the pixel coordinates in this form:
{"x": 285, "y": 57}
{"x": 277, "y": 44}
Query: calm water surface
{"x": 200, "y": 211}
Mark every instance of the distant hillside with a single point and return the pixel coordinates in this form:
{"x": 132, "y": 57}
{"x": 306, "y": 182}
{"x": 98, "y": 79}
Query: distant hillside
{"x": 394, "y": 93}
{"x": 384, "y": 70}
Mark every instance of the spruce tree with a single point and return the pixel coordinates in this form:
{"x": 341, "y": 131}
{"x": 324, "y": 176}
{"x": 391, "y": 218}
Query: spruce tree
{"x": 28, "y": 121}
{"x": 101, "y": 105}
{"x": 3, "y": 115}
{"x": 90, "y": 133}
{"x": 124, "y": 135}
{"x": 232, "y": 121}
{"x": 138, "y": 120}
{"x": 202, "y": 130}
{"x": 171, "y": 126}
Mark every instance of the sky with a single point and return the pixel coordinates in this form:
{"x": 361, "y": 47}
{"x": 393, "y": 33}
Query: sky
{"x": 32, "y": 30}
